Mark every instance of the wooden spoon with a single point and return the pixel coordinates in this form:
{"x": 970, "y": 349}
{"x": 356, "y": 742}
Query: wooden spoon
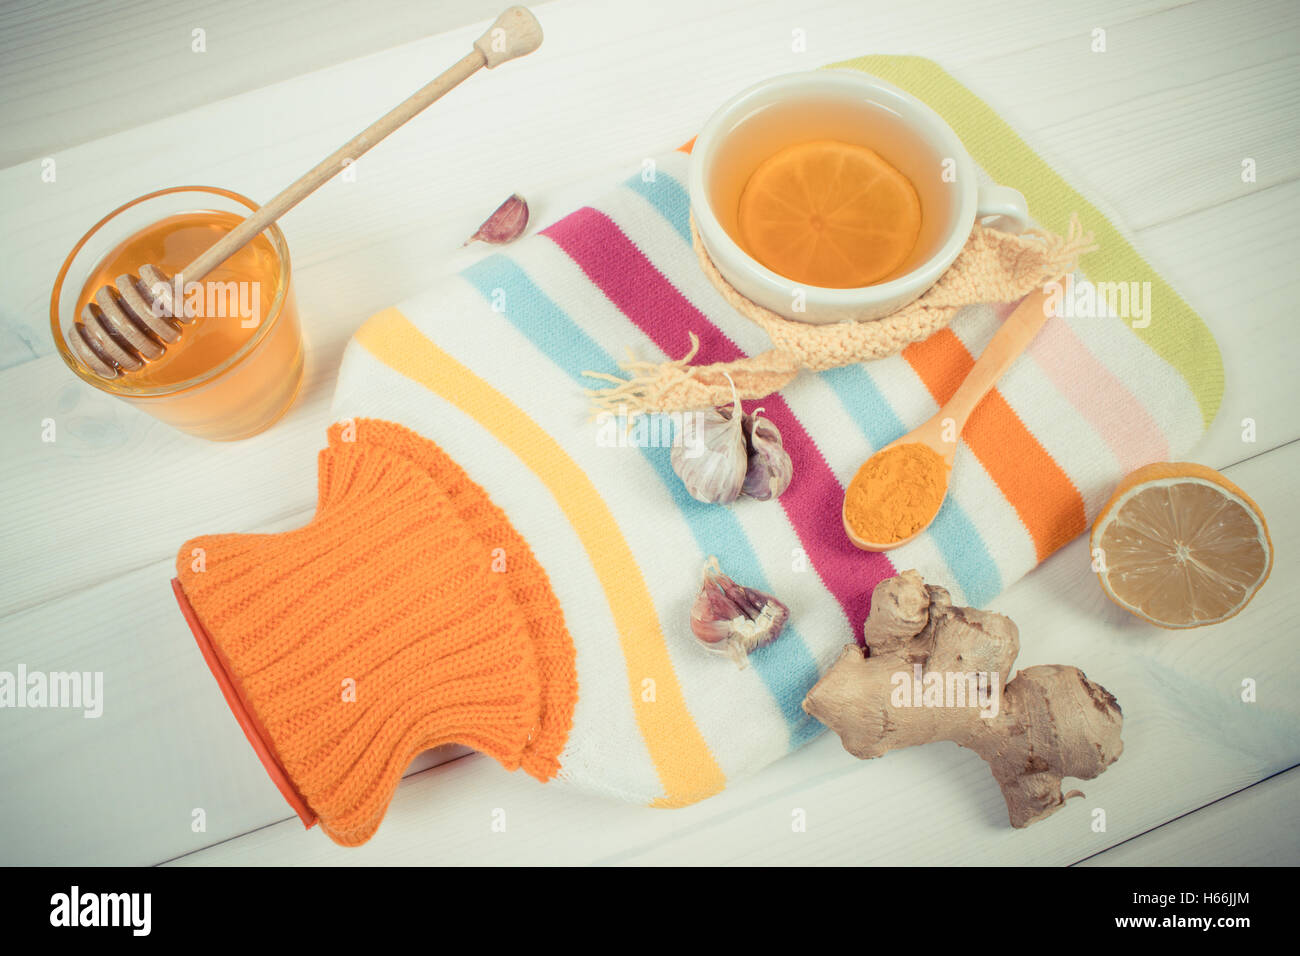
{"x": 1017, "y": 331}
{"x": 133, "y": 321}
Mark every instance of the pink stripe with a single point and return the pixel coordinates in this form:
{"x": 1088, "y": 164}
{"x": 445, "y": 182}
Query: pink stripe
{"x": 813, "y": 500}
{"x": 1115, "y": 412}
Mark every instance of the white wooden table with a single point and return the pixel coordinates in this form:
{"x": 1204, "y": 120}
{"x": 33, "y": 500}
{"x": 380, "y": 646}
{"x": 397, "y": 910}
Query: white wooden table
{"x": 1155, "y": 128}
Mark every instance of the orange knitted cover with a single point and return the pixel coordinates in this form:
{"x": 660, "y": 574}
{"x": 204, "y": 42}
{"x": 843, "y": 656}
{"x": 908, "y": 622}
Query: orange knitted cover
{"x": 407, "y": 614}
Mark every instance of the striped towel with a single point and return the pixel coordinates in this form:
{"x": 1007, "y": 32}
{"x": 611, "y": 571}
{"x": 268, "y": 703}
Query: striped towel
{"x": 489, "y": 365}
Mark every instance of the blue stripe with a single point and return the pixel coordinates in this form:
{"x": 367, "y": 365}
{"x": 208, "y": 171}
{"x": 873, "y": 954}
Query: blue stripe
{"x": 964, "y": 551}
{"x": 786, "y": 666}
{"x": 668, "y": 197}
{"x": 954, "y": 534}
{"x": 865, "y": 404}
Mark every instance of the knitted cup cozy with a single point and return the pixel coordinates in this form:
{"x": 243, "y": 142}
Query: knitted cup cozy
{"x": 993, "y": 266}
{"x": 381, "y": 629}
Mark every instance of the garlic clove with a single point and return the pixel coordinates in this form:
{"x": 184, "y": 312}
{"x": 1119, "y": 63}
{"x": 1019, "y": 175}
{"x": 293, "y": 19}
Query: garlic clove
{"x": 768, "y": 467}
{"x": 711, "y": 458}
{"x": 713, "y": 464}
{"x": 729, "y": 618}
{"x": 505, "y": 224}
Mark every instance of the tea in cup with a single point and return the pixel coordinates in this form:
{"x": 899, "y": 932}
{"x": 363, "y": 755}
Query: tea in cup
{"x": 833, "y": 195}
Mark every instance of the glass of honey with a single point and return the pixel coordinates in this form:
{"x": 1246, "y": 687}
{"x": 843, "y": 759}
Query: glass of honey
{"x": 238, "y": 364}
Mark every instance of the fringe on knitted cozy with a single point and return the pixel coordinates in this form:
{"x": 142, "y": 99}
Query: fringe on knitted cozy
{"x": 993, "y": 266}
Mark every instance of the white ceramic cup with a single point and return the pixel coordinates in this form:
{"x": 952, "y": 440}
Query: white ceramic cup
{"x": 854, "y": 107}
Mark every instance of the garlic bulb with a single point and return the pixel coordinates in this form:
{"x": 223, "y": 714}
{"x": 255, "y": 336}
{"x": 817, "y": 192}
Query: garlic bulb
{"x": 713, "y": 462}
{"x": 769, "y": 468}
{"x": 729, "y": 618}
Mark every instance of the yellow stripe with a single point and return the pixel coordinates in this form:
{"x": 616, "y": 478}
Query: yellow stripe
{"x": 1176, "y": 333}
{"x": 682, "y": 759}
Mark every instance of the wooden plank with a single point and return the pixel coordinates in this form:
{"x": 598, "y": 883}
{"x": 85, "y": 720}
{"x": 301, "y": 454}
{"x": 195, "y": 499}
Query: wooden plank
{"x": 402, "y": 222}
{"x": 1166, "y": 154}
{"x": 1166, "y": 52}
{"x": 1157, "y": 125}
{"x": 1258, "y": 826}
{"x": 1235, "y": 264}
{"x": 73, "y": 71}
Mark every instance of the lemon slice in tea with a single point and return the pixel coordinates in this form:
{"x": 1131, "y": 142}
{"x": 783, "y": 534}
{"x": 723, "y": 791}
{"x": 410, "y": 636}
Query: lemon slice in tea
{"x": 828, "y": 213}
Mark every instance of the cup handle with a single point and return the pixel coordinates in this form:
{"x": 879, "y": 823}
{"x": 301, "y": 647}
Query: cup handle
{"x": 1006, "y": 204}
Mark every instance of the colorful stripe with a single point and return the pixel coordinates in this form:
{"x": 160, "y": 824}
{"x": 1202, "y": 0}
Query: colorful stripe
{"x": 668, "y": 197}
{"x": 870, "y": 410}
{"x": 945, "y": 365}
{"x": 1030, "y": 479}
{"x": 812, "y": 502}
{"x": 685, "y": 766}
{"x": 955, "y": 536}
{"x": 964, "y": 551}
{"x": 787, "y": 666}
{"x": 1101, "y": 397}
{"x": 368, "y": 388}
{"x": 1176, "y": 333}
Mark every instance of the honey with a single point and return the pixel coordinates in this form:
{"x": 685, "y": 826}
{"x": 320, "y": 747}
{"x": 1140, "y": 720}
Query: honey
{"x": 171, "y": 244}
{"x": 238, "y": 363}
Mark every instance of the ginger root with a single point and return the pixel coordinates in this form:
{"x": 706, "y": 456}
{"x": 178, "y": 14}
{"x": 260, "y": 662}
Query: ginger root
{"x": 1048, "y": 723}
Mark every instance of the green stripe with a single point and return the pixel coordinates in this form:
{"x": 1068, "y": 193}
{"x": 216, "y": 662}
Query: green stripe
{"x": 1176, "y": 333}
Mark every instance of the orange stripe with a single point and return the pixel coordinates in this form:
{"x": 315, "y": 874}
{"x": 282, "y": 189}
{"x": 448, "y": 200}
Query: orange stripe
{"x": 1028, "y": 477}
{"x": 687, "y": 146}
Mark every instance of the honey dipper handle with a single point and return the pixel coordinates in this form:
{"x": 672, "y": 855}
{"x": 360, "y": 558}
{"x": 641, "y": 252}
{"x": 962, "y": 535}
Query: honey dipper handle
{"x": 515, "y": 33}
{"x": 1017, "y": 331}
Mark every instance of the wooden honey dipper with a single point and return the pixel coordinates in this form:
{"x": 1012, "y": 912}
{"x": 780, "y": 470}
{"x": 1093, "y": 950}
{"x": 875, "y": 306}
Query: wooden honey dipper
{"x": 132, "y": 322}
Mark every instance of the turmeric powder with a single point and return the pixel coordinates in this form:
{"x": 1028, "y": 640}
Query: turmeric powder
{"x": 896, "y": 493}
